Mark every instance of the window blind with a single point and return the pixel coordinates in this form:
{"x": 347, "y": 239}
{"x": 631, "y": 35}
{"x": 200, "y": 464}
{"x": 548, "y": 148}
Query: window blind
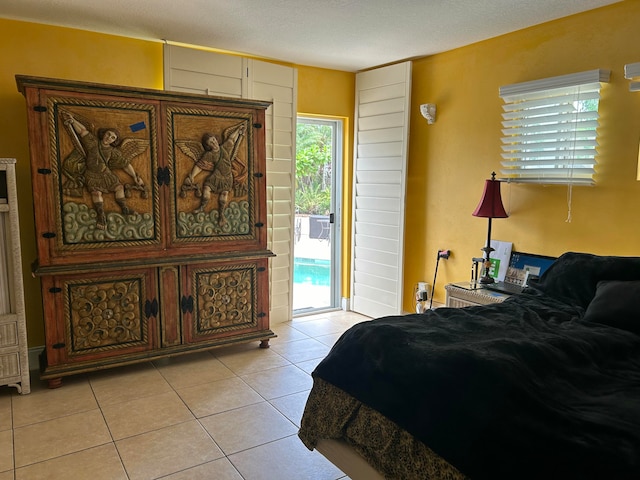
{"x": 550, "y": 129}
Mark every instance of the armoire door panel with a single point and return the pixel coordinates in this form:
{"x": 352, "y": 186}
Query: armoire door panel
{"x": 100, "y": 165}
{"x": 217, "y": 185}
{"x": 225, "y": 300}
{"x": 100, "y": 315}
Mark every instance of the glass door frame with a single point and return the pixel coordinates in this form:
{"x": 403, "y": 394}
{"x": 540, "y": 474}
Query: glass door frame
{"x": 335, "y": 214}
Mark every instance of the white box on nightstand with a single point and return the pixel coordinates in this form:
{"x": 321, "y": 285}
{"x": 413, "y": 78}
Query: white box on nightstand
{"x": 466, "y": 294}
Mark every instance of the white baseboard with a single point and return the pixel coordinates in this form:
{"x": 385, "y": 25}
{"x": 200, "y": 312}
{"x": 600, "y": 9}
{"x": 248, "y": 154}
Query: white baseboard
{"x": 346, "y": 306}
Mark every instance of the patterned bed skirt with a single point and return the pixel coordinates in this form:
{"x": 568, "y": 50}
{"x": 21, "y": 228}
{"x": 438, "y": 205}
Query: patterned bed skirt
{"x": 333, "y": 414}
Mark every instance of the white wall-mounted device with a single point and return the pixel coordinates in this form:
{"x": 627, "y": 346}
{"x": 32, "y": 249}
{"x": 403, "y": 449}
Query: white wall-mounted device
{"x": 428, "y": 111}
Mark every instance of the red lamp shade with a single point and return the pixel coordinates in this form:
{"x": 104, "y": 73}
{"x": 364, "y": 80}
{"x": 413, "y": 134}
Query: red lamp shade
{"x": 490, "y": 205}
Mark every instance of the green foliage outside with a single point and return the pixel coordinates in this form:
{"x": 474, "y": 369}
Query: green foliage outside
{"x": 587, "y": 105}
{"x": 313, "y": 168}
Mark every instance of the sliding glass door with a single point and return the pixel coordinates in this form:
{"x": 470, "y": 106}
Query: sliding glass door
{"x": 316, "y": 282}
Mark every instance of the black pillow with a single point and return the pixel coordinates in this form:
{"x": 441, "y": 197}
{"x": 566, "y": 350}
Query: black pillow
{"x": 573, "y": 277}
{"x": 616, "y": 304}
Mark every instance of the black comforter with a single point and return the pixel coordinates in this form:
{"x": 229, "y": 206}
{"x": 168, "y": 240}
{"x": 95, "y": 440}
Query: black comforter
{"x": 531, "y": 388}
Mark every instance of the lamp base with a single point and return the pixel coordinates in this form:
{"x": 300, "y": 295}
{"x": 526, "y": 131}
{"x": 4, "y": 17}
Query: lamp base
{"x": 487, "y": 279}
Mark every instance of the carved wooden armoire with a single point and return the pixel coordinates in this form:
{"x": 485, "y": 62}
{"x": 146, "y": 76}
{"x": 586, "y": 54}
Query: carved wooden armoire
{"x": 150, "y": 215}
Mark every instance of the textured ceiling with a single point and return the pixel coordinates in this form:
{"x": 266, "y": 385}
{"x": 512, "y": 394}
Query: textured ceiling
{"x": 348, "y": 35}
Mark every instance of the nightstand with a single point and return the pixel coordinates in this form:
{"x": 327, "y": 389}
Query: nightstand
{"x": 466, "y": 294}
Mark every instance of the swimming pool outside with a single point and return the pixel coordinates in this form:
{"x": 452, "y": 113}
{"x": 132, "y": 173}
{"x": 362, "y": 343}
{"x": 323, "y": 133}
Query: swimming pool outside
{"x": 311, "y": 270}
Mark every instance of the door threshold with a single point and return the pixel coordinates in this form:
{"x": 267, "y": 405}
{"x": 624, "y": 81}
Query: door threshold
{"x": 314, "y": 311}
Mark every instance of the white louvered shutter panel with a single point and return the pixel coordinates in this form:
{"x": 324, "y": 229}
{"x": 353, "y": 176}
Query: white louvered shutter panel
{"x": 381, "y": 142}
{"x": 278, "y": 84}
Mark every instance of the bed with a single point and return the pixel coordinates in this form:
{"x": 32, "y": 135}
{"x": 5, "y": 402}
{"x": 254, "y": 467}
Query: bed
{"x": 545, "y": 385}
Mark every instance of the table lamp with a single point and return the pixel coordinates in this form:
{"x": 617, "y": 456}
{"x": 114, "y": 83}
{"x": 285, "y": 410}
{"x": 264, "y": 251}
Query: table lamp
{"x": 490, "y": 207}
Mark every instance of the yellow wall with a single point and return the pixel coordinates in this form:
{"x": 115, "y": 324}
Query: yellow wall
{"x": 46, "y": 51}
{"x": 450, "y": 159}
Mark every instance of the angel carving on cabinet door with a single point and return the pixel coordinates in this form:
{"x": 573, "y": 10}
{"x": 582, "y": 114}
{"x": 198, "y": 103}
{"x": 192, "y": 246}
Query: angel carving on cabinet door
{"x": 226, "y": 173}
{"x": 92, "y": 163}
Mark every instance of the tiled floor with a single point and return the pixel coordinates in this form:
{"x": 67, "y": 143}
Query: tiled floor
{"x": 231, "y": 413}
